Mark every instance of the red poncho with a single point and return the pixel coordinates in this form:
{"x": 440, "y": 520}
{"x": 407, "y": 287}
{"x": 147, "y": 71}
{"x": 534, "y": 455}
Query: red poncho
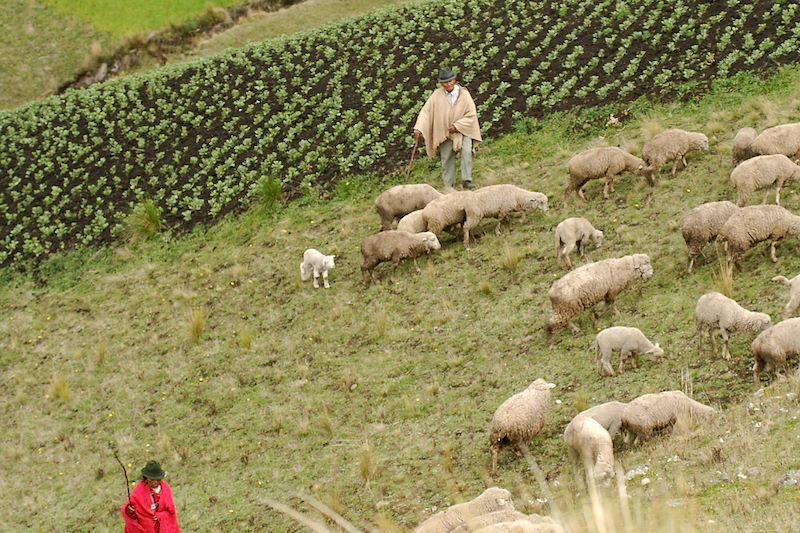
{"x": 143, "y": 523}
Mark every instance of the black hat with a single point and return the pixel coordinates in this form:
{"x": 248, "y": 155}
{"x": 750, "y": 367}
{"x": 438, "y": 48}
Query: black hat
{"x": 152, "y": 470}
{"x": 445, "y": 75}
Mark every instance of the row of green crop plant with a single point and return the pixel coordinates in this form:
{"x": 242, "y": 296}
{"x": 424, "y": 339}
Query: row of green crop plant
{"x": 197, "y": 139}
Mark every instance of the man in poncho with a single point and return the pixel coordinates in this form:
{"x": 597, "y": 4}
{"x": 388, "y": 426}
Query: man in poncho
{"x": 449, "y": 123}
{"x": 150, "y": 508}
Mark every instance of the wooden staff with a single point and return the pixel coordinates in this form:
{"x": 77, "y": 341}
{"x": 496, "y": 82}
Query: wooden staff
{"x": 127, "y": 483}
{"x": 413, "y": 153}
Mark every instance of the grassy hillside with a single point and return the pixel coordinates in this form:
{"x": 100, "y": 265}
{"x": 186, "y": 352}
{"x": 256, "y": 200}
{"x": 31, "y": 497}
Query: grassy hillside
{"x": 122, "y": 19}
{"x": 207, "y": 353}
{"x": 198, "y": 140}
{"x": 41, "y": 48}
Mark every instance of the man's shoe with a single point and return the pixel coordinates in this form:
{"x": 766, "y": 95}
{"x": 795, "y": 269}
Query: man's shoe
{"x": 467, "y": 185}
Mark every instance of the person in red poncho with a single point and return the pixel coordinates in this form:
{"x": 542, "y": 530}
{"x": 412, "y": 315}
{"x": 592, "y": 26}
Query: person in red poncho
{"x": 151, "y": 508}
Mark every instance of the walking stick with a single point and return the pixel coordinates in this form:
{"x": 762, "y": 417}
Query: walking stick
{"x": 127, "y": 483}
{"x": 413, "y": 153}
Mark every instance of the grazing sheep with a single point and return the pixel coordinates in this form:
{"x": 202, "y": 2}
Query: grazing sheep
{"x": 446, "y": 212}
{"x": 526, "y": 524}
{"x": 591, "y": 284}
{"x": 575, "y": 232}
{"x": 498, "y": 201}
{"x": 491, "y": 500}
{"x": 603, "y": 162}
{"x": 401, "y": 200}
{"x": 717, "y": 312}
{"x": 753, "y": 224}
{"x": 740, "y": 149}
{"x": 608, "y": 415}
{"x": 395, "y": 245}
{"x": 589, "y": 441}
{"x": 794, "y": 294}
{"x": 672, "y": 145}
{"x": 316, "y": 263}
{"x": 413, "y": 222}
{"x": 520, "y": 418}
{"x": 763, "y": 172}
{"x": 651, "y": 413}
{"x": 783, "y": 139}
{"x": 628, "y": 342}
{"x": 701, "y": 225}
{"x": 775, "y": 346}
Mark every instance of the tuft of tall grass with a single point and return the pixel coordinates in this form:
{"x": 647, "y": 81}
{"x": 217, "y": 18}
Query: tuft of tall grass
{"x": 325, "y": 422}
{"x": 100, "y": 353}
{"x": 269, "y": 192}
{"x": 196, "y": 324}
{"x": 246, "y": 339}
{"x": 59, "y": 389}
{"x": 381, "y": 323}
{"x": 510, "y": 258}
{"x": 144, "y": 222}
{"x": 723, "y": 276}
{"x": 366, "y": 464}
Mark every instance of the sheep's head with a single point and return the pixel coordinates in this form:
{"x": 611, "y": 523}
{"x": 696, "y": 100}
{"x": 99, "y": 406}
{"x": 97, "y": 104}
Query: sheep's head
{"x": 759, "y": 322}
{"x": 597, "y": 238}
{"x": 328, "y": 262}
{"x": 700, "y": 141}
{"x": 656, "y": 353}
{"x": 430, "y": 241}
{"x": 642, "y": 266}
{"x": 646, "y": 172}
{"x": 535, "y": 200}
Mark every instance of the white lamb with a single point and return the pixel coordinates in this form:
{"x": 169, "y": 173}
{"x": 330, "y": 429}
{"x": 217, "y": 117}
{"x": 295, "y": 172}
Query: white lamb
{"x": 574, "y": 233}
{"x": 603, "y": 162}
{"x": 316, "y": 263}
{"x": 672, "y": 145}
{"x": 775, "y": 346}
{"x": 628, "y": 342}
{"x": 651, "y": 413}
{"x": 763, "y": 172}
{"x": 608, "y": 415}
{"x": 717, "y": 312}
{"x": 413, "y": 222}
{"x": 794, "y": 294}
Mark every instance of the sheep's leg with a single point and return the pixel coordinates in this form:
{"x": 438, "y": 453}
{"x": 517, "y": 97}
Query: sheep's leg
{"x": 495, "y": 452}
{"x": 325, "y": 279}
{"x": 691, "y": 263}
{"x": 778, "y": 194}
{"x": 757, "y": 368}
{"x": 712, "y": 334}
{"x": 316, "y": 278}
{"x": 791, "y": 306}
{"x": 609, "y": 186}
{"x": 772, "y": 254}
{"x": 726, "y": 354}
{"x": 674, "y": 166}
{"x": 699, "y": 334}
{"x": 623, "y": 354}
{"x": 766, "y": 195}
{"x": 416, "y": 265}
{"x": 581, "y": 195}
{"x": 575, "y": 329}
{"x": 565, "y": 251}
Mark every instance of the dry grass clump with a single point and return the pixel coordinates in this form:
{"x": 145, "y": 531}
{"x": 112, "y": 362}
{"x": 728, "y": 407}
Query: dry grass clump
{"x": 381, "y": 323}
{"x": 59, "y": 389}
{"x": 144, "y": 222}
{"x": 723, "y": 277}
{"x": 246, "y": 340}
{"x": 366, "y": 464}
{"x": 510, "y": 258}
{"x": 196, "y": 324}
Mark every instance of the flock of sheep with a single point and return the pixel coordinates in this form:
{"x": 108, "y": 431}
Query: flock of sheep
{"x": 761, "y": 161}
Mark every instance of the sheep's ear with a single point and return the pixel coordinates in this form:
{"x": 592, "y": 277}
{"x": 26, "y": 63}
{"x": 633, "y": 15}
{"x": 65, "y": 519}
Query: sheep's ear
{"x": 551, "y": 385}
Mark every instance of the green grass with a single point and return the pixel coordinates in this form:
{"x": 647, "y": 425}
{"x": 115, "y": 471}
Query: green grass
{"x": 99, "y": 349}
{"x": 305, "y": 16}
{"x": 41, "y": 49}
{"x": 122, "y": 19}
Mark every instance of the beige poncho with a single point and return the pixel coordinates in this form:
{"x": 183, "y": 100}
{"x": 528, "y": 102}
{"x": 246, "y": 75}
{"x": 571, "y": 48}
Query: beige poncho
{"x": 437, "y": 115}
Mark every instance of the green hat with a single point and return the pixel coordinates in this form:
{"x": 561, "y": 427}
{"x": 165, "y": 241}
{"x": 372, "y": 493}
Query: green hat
{"x": 445, "y": 75}
{"x": 152, "y": 470}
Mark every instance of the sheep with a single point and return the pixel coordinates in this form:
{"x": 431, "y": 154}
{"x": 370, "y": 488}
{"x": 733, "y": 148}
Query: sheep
{"x": 395, "y": 245}
{"x": 782, "y": 139}
{"x": 519, "y": 418}
{"x": 446, "y": 212}
{"x": 590, "y": 284}
{"x": 498, "y": 201}
{"x": 608, "y": 415}
{"x": 753, "y": 224}
{"x": 794, "y": 294}
{"x": 717, "y": 312}
{"x": 401, "y": 200}
{"x": 651, "y": 413}
{"x": 629, "y": 342}
{"x": 413, "y": 222}
{"x": 508, "y": 521}
{"x": 575, "y": 232}
{"x": 672, "y": 145}
{"x": 491, "y": 500}
{"x": 604, "y": 162}
{"x": 762, "y": 172}
{"x": 740, "y": 149}
{"x": 315, "y": 262}
{"x": 588, "y": 440}
{"x": 775, "y": 346}
{"x": 701, "y": 225}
